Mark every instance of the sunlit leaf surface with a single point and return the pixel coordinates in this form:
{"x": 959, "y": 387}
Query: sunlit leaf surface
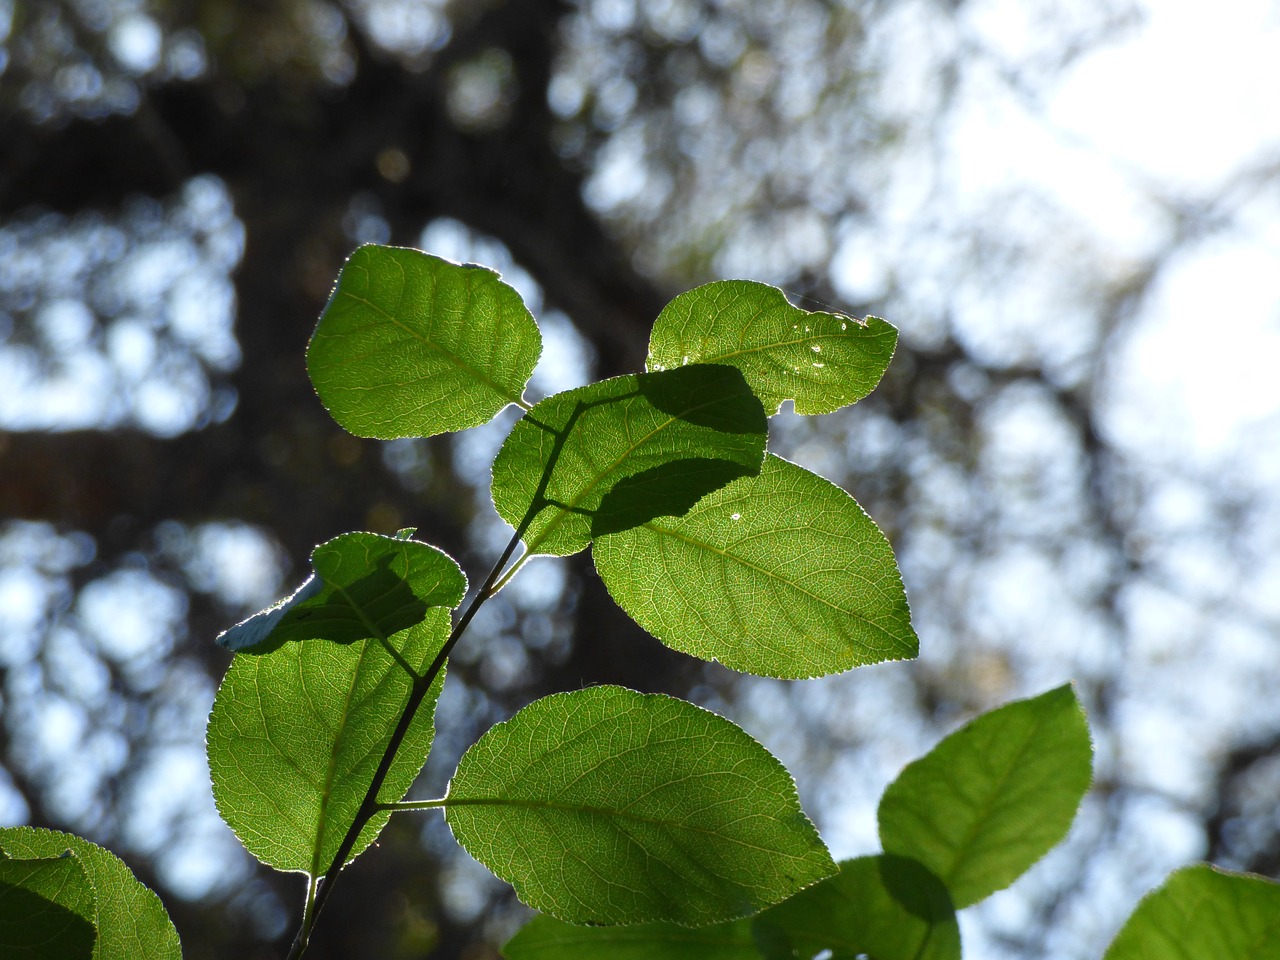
{"x": 1201, "y": 912}
{"x": 822, "y": 361}
{"x": 410, "y": 345}
{"x": 994, "y": 797}
{"x": 780, "y": 574}
{"x": 885, "y": 907}
{"x": 609, "y": 806}
{"x": 545, "y": 938}
{"x": 47, "y": 910}
{"x": 131, "y": 922}
{"x": 617, "y": 453}
{"x": 296, "y": 735}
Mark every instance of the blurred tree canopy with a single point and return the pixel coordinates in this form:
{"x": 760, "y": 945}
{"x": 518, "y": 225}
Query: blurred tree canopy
{"x": 180, "y": 182}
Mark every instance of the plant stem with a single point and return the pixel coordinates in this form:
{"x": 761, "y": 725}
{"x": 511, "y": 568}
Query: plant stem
{"x": 320, "y": 888}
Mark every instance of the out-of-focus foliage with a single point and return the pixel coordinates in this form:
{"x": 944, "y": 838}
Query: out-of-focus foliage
{"x": 1074, "y": 453}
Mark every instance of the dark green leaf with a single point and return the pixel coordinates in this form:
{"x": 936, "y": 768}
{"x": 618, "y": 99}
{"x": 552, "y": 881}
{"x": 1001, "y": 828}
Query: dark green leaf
{"x": 411, "y": 345}
{"x": 47, "y": 910}
{"x": 1202, "y": 912}
{"x": 822, "y": 361}
{"x": 131, "y": 922}
{"x": 608, "y": 456}
{"x": 365, "y": 585}
{"x": 886, "y": 907}
{"x": 544, "y": 938}
{"x": 296, "y": 736}
{"x": 994, "y": 797}
{"x": 780, "y": 574}
{"x": 609, "y": 806}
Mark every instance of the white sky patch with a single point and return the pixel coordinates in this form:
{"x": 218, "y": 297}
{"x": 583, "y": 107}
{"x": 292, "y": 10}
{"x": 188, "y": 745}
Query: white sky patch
{"x": 1187, "y": 98}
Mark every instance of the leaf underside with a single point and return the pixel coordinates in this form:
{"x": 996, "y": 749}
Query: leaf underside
{"x": 780, "y": 574}
{"x": 821, "y": 361}
{"x": 411, "y": 345}
{"x": 994, "y": 797}
{"x": 609, "y": 456}
{"x": 131, "y": 922}
{"x": 608, "y": 806}
{"x": 296, "y": 736}
{"x": 47, "y": 910}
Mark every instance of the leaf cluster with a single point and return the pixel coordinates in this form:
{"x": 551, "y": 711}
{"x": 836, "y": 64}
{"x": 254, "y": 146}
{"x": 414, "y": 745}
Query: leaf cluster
{"x": 638, "y": 825}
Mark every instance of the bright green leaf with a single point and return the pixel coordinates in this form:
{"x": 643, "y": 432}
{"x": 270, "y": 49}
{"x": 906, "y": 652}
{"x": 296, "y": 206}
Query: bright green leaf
{"x": 886, "y": 907}
{"x": 1201, "y": 912}
{"x": 994, "y": 797}
{"x": 609, "y": 806}
{"x": 780, "y": 574}
{"x": 544, "y": 938}
{"x": 131, "y": 922}
{"x": 614, "y": 454}
{"x": 410, "y": 345}
{"x": 822, "y": 361}
{"x": 296, "y": 736}
{"x": 47, "y": 910}
{"x": 365, "y": 585}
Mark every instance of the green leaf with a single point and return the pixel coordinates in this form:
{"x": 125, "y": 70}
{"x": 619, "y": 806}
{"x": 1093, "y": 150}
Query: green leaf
{"x": 131, "y": 922}
{"x": 1200, "y": 912}
{"x": 780, "y": 574}
{"x": 886, "y": 907}
{"x": 608, "y": 806}
{"x": 617, "y": 453}
{"x": 994, "y": 797}
{"x": 545, "y": 938}
{"x": 47, "y": 910}
{"x": 366, "y": 585}
{"x": 822, "y": 361}
{"x": 410, "y": 345}
{"x": 296, "y": 736}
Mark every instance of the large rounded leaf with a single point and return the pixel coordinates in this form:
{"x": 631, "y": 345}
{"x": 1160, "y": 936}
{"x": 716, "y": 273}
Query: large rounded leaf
{"x": 296, "y": 736}
{"x": 994, "y": 797}
{"x": 822, "y": 361}
{"x": 617, "y": 453}
{"x": 780, "y": 574}
{"x": 1202, "y": 912}
{"x": 545, "y": 938}
{"x": 411, "y": 345}
{"x": 609, "y": 806}
{"x": 131, "y": 922}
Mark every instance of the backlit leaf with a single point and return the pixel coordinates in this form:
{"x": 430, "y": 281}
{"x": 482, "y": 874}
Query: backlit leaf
{"x": 131, "y": 922}
{"x": 411, "y": 345}
{"x": 780, "y": 574}
{"x": 1201, "y": 912}
{"x": 545, "y": 938}
{"x": 617, "y": 453}
{"x": 365, "y": 585}
{"x": 994, "y": 797}
{"x": 886, "y": 907}
{"x": 608, "y": 806}
{"x": 47, "y": 910}
{"x": 822, "y": 361}
{"x": 296, "y": 736}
